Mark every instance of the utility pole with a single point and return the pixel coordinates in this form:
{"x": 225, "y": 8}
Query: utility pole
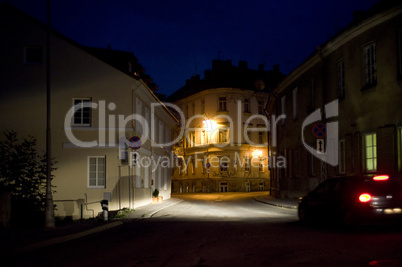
{"x": 49, "y": 209}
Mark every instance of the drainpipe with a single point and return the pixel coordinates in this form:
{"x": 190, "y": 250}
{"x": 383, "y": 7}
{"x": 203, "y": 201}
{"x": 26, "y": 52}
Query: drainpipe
{"x": 86, "y": 206}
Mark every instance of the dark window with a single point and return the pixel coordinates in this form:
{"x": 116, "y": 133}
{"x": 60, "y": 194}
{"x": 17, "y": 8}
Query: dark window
{"x": 370, "y": 65}
{"x": 246, "y": 106}
{"x": 82, "y": 114}
{"x": 33, "y": 55}
{"x": 341, "y": 79}
{"x": 222, "y": 103}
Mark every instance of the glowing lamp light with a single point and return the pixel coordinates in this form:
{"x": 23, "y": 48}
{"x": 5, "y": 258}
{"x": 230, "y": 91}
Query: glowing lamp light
{"x": 364, "y": 197}
{"x": 210, "y": 125}
{"x": 381, "y": 178}
{"x": 257, "y": 153}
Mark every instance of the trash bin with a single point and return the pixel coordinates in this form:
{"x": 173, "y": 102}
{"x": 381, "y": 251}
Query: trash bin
{"x": 105, "y": 208}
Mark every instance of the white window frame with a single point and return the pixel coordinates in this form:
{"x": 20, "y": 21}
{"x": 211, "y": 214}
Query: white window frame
{"x": 97, "y": 173}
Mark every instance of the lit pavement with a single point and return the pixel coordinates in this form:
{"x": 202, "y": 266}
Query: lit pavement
{"x": 228, "y": 229}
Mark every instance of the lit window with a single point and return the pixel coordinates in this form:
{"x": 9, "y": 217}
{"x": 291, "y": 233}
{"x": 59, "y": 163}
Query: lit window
{"x": 97, "y": 172}
{"x": 82, "y": 114}
{"x": 223, "y": 135}
{"x": 371, "y": 152}
{"x": 370, "y": 66}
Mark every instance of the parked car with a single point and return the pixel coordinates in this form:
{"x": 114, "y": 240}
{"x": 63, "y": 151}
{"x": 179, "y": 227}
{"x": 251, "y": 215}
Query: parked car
{"x": 352, "y": 200}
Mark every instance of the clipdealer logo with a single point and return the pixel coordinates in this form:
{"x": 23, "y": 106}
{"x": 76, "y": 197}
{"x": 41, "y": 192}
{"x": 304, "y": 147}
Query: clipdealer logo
{"x": 109, "y": 132}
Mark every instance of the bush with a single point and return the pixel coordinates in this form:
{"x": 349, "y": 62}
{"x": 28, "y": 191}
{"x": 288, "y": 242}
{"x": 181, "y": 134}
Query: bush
{"x": 23, "y": 174}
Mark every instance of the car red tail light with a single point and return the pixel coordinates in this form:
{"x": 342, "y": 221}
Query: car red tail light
{"x": 364, "y": 197}
{"x": 380, "y": 177}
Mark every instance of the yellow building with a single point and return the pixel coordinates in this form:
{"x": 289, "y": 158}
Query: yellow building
{"x": 224, "y": 130}
{"x": 95, "y": 110}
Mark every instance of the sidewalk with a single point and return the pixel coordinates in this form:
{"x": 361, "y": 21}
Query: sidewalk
{"x": 18, "y": 240}
{"x": 14, "y": 241}
{"x": 281, "y": 203}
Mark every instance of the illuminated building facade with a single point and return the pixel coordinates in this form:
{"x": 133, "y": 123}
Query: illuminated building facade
{"x": 224, "y": 144}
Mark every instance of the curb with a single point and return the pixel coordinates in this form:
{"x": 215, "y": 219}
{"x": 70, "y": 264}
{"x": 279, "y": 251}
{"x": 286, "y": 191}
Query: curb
{"x": 66, "y": 238}
{"x": 284, "y": 206}
{"x": 152, "y": 213}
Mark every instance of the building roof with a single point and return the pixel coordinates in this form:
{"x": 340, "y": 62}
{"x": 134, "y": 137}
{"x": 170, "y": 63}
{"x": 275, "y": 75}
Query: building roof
{"x": 124, "y": 61}
{"x": 224, "y": 75}
{"x": 360, "y": 18}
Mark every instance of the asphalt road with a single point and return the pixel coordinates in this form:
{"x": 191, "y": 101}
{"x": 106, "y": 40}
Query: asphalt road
{"x": 224, "y": 230}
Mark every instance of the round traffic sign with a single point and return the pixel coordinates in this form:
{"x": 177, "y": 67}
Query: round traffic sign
{"x": 135, "y": 142}
{"x": 208, "y": 164}
{"x": 319, "y": 130}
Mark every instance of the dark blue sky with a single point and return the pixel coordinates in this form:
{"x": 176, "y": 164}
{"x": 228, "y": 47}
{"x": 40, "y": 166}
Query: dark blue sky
{"x": 174, "y": 40}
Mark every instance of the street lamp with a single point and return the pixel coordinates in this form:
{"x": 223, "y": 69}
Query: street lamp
{"x": 257, "y": 153}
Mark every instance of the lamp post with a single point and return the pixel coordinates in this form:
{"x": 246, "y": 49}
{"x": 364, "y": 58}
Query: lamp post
{"x": 49, "y": 209}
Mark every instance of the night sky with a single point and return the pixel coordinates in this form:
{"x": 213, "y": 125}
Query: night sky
{"x": 174, "y": 40}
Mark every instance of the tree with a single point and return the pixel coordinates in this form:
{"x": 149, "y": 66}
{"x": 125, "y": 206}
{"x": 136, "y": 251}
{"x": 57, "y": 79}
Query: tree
{"x": 23, "y": 174}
